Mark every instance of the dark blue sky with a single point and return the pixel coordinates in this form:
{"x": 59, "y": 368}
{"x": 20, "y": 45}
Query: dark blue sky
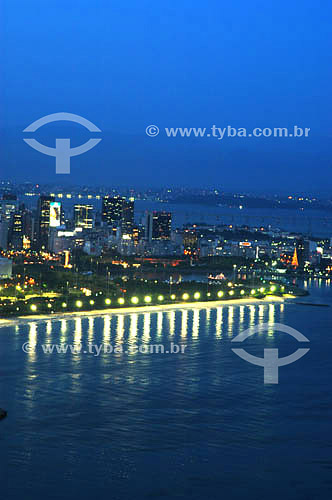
{"x": 126, "y": 65}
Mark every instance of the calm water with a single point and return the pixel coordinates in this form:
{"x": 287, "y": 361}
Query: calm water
{"x": 198, "y": 425}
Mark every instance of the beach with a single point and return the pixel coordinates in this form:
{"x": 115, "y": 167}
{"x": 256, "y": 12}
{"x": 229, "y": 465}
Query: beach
{"x": 147, "y": 308}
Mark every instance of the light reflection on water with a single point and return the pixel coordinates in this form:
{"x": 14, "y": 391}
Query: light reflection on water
{"x": 144, "y": 326}
{"x": 204, "y": 416}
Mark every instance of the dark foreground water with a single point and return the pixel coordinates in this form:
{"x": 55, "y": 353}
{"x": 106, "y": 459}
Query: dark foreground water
{"x": 198, "y": 425}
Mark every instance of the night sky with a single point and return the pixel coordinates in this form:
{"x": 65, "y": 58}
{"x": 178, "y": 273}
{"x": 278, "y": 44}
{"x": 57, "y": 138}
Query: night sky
{"x": 126, "y": 65}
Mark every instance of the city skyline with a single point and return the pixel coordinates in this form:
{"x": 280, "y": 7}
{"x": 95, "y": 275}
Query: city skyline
{"x": 165, "y": 249}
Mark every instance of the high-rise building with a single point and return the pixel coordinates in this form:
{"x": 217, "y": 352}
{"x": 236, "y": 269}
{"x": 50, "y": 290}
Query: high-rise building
{"x": 8, "y": 206}
{"x": 118, "y": 212}
{"x": 303, "y": 253}
{"x": 158, "y": 226}
{"x": 16, "y": 231}
{"x": 190, "y": 243}
{"x": 83, "y": 216}
{"x": 111, "y": 210}
{"x": 44, "y": 204}
{"x": 127, "y": 217}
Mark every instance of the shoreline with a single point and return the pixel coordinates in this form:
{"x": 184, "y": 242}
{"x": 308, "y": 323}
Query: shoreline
{"x": 143, "y": 309}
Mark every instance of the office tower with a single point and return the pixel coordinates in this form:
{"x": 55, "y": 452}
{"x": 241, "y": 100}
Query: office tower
{"x": 83, "y": 216}
{"x": 44, "y": 222}
{"x": 127, "y": 217}
{"x": 118, "y": 212}
{"x": 8, "y": 206}
{"x": 28, "y": 227}
{"x": 190, "y": 243}
{"x": 302, "y": 249}
{"x": 111, "y": 210}
{"x": 158, "y": 226}
{"x": 16, "y": 231}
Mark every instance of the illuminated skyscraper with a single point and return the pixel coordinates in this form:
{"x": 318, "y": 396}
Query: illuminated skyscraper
{"x": 158, "y": 226}
{"x": 127, "y": 217}
{"x": 190, "y": 243}
{"x": 302, "y": 250}
{"x": 16, "y": 230}
{"x": 43, "y": 215}
{"x": 118, "y": 212}
{"x": 83, "y": 216}
{"x": 8, "y": 206}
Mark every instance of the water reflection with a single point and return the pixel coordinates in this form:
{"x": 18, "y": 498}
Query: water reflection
{"x": 184, "y": 323}
{"x": 32, "y": 341}
{"x": 160, "y": 318}
{"x": 120, "y": 328}
{"x": 252, "y": 312}
{"x": 171, "y": 321}
{"x": 63, "y": 327}
{"x": 49, "y": 327}
{"x": 230, "y": 312}
{"x": 129, "y": 328}
{"x": 146, "y": 327}
{"x": 106, "y": 329}
{"x": 91, "y": 328}
{"x": 195, "y": 330}
{"x": 219, "y": 321}
{"x": 78, "y": 331}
